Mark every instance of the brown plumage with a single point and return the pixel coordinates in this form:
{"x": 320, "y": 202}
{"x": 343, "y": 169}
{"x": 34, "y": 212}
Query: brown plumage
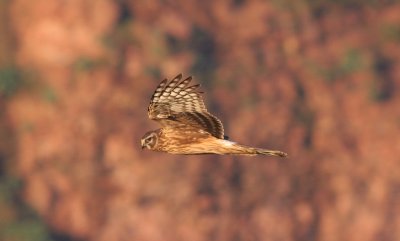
{"x": 187, "y": 126}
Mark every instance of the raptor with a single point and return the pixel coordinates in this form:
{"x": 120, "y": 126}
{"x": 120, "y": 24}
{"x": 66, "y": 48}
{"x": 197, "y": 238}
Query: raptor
{"x": 187, "y": 126}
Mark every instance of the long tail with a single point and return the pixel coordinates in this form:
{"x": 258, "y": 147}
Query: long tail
{"x": 270, "y": 152}
{"x": 228, "y": 147}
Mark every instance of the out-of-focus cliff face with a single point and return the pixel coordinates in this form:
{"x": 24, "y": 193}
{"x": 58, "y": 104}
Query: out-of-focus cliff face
{"x": 319, "y": 80}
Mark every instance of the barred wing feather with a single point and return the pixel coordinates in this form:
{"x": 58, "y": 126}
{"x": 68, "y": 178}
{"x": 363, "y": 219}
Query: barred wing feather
{"x": 177, "y": 101}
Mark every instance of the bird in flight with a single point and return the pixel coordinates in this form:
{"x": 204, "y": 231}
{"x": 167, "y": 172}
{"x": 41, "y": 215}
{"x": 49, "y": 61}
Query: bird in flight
{"x": 187, "y": 126}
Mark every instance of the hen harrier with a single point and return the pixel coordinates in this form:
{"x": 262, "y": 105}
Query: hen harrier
{"x": 187, "y": 126}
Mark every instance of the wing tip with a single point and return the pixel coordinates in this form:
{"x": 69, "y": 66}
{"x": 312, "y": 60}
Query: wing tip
{"x": 162, "y": 83}
{"x": 179, "y": 76}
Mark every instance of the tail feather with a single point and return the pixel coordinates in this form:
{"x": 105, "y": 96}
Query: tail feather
{"x": 270, "y": 152}
{"x": 229, "y": 147}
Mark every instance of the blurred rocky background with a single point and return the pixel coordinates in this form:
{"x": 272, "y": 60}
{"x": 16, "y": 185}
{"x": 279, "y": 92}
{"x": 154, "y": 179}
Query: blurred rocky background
{"x": 318, "y": 79}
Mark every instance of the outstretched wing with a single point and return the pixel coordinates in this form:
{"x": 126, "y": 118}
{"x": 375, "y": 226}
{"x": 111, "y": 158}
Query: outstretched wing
{"x": 177, "y": 103}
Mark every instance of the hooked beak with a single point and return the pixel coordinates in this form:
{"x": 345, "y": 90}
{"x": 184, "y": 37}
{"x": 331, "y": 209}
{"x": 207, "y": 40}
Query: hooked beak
{"x": 142, "y": 143}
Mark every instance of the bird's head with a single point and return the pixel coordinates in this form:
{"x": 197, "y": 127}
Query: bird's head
{"x": 149, "y": 140}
